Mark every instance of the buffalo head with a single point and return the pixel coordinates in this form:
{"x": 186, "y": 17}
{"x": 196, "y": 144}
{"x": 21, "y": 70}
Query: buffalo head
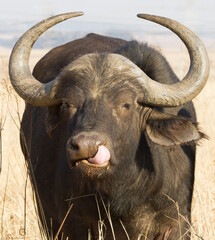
{"x": 98, "y": 91}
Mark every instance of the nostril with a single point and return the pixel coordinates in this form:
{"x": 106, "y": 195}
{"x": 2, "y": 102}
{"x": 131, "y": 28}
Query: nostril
{"x": 73, "y": 146}
{"x": 84, "y": 146}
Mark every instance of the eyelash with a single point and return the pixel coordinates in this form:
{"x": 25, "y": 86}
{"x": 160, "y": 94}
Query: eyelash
{"x": 126, "y": 106}
{"x": 67, "y": 107}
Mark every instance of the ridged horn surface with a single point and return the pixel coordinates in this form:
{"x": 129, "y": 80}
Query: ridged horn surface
{"x": 29, "y": 88}
{"x": 189, "y": 87}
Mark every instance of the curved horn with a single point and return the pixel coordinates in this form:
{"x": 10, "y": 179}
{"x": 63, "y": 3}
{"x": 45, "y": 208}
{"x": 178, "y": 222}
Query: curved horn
{"x": 184, "y": 91}
{"x": 29, "y": 88}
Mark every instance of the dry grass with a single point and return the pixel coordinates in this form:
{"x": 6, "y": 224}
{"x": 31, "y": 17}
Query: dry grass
{"x": 18, "y": 218}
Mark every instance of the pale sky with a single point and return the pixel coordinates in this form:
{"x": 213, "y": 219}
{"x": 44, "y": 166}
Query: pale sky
{"x": 108, "y": 16}
{"x": 111, "y": 11}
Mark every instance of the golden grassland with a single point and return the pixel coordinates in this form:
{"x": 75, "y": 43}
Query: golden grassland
{"x": 18, "y": 218}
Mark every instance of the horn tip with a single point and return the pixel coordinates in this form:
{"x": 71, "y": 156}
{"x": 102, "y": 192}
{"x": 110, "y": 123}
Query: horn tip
{"x": 141, "y": 15}
{"x": 80, "y": 13}
{"x": 145, "y": 16}
{"x": 75, "y": 13}
{"x": 69, "y": 15}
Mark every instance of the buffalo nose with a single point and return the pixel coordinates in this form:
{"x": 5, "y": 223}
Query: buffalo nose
{"x": 84, "y": 146}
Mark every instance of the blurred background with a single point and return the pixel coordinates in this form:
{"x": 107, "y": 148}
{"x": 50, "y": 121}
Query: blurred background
{"x": 114, "y": 18}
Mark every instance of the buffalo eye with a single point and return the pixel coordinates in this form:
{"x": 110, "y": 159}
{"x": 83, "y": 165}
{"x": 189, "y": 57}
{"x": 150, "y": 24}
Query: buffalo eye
{"x": 66, "y": 105}
{"x": 126, "y": 106}
{"x": 68, "y": 109}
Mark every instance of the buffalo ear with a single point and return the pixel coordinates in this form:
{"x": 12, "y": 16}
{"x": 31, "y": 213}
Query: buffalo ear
{"x": 168, "y": 130}
{"x": 52, "y": 119}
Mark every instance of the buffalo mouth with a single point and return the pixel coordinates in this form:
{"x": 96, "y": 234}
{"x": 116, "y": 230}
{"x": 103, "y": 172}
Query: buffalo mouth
{"x": 88, "y": 163}
{"x": 100, "y": 160}
{"x": 91, "y": 170}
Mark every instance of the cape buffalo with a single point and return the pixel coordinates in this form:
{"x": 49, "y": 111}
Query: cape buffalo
{"x": 109, "y": 134}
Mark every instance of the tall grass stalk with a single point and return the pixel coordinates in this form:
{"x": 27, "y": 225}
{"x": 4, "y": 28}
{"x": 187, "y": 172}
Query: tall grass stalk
{"x": 18, "y": 211}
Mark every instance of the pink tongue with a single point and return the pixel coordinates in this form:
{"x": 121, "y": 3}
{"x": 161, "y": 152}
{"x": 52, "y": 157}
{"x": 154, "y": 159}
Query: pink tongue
{"x": 101, "y": 157}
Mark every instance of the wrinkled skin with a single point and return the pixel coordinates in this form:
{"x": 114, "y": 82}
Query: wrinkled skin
{"x": 150, "y": 171}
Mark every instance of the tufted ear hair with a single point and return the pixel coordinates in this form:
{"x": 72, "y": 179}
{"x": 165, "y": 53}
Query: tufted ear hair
{"x": 169, "y": 130}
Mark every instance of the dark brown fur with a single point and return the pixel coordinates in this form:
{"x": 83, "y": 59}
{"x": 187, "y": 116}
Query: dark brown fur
{"x": 148, "y": 188}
